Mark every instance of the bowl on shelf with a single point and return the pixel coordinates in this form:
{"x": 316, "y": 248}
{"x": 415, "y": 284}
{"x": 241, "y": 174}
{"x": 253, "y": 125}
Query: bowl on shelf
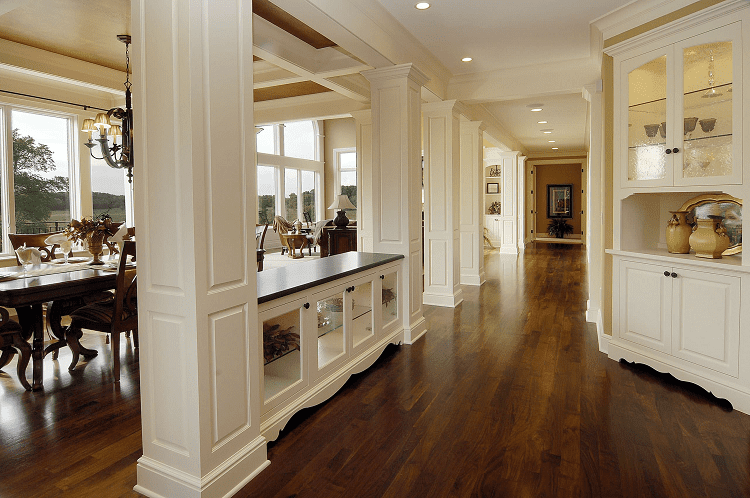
{"x": 690, "y": 124}
{"x": 707, "y": 125}
{"x": 651, "y": 130}
{"x": 663, "y": 129}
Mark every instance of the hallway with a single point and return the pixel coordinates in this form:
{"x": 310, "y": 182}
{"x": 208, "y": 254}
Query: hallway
{"x": 507, "y": 395}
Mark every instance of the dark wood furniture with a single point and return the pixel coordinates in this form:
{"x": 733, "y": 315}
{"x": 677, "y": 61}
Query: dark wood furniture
{"x": 260, "y": 239}
{"x": 113, "y": 317}
{"x": 340, "y": 240}
{"x": 34, "y": 240}
{"x": 11, "y": 341}
{"x": 28, "y": 295}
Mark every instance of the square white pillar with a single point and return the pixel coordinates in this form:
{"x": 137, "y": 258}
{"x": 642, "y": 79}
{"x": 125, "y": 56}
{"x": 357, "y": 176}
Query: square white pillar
{"x": 442, "y": 154}
{"x": 471, "y": 227}
{"x": 363, "y": 126}
{"x": 200, "y": 354}
{"x": 397, "y": 179}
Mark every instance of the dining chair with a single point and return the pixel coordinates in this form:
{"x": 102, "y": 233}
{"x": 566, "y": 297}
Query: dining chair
{"x": 34, "y": 240}
{"x": 11, "y": 342}
{"x": 260, "y": 238}
{"x": 113, "y": 317}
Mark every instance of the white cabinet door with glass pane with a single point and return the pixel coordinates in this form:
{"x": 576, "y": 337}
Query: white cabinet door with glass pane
{"x": 680, "y": 112}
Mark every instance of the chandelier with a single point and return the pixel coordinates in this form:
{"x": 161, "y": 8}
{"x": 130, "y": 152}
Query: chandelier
{"x": 119, "y": 156}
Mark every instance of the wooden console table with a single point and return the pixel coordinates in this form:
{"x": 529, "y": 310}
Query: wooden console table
{"x": 340, "y": 240}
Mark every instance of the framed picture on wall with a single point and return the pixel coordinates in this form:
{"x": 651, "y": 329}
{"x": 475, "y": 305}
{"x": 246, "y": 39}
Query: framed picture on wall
{"x": 493, "y": 188}
{"x": 559, "y": 201}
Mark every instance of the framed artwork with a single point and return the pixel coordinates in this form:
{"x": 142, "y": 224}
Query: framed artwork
{"x": 493, "y": 188}
{"x": 560, "y": 201}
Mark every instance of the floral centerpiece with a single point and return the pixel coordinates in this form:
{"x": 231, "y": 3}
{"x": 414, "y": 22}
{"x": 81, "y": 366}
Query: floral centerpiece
{"x": 93, "y": 232}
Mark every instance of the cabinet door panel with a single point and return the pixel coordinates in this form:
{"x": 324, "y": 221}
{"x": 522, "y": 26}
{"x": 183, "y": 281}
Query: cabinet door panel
{"x": 706, "y": 320}
{"x": 645, "y": 128}
{"x": 709, "y": 108}
{"x": 645, "y": 305}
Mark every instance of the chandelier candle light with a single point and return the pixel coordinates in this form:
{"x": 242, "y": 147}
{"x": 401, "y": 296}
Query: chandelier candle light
{"x": 341, "y": 203}
{"x": 117, "y": 156}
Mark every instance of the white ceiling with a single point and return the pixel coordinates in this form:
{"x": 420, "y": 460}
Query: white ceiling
{"x": 501, "y": 34}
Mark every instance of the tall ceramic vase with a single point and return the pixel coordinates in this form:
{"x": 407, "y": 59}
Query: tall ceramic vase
{"x": 709, "y": 239}
{"x": 95, "y": 243}
{"x": 678, "y": 233}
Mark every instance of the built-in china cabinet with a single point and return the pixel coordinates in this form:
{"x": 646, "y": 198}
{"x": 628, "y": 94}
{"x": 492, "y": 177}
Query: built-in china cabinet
{"x": 679, "y": 114}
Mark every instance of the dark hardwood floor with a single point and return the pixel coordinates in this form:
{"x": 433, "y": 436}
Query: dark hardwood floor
{"x": 507, "y": 395}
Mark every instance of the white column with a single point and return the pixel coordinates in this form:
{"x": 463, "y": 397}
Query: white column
{"x": 471, "y": 226}
{"x": 363, "y": 126}
{"x": 442, "y": 156}
{"x": 521, "y": 176}
{"x": 595, "y": 209}
{"x": 195, "y": 179}
{"x": 397, "y": 180}
{"x": 509, "y": 213}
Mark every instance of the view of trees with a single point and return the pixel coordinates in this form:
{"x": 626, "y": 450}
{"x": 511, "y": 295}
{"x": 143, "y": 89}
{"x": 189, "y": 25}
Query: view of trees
{"x": 351, "y": 192}
{"x": 37, "y": 197}
{"x": 267, "y": 206}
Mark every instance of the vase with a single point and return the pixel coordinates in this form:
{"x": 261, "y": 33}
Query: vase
{"x": 678, "y": 233}
{"x": 94, "y": 244}
{"x": 709, "y": 239}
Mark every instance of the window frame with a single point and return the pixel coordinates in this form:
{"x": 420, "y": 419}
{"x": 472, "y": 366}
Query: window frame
{"x": 282, "y": 163}
{"x": 338, "y": 169}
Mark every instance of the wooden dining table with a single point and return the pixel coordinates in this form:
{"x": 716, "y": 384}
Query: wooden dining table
{"x": 28, "y": 295}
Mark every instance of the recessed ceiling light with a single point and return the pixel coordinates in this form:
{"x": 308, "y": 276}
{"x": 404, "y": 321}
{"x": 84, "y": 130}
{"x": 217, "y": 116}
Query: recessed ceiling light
{"x": 555, "y": 148}
{"x": 466, "y": 59}
{"x": 547, "y": 132}
{"x": 422, "y": 5}
{"x": 536, "y": 109}
{"x": 542, "y": 122}
{"x": 551, "y": 141}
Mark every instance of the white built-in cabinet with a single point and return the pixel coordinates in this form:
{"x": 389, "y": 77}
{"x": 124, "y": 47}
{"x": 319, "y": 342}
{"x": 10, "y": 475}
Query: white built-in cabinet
{"x": 679, "y": 121}
{"x": 314, "y": 340}
{"x": 494, "y": 225}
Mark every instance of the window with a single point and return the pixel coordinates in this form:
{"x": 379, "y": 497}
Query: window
{"x": 346, "y": 181}
{"x": 40, "y": 173}
{"x": 288, "y": 174}
{"x": 43, "y": 174}
{"x": 108, "y": 188}
{"x": 266, "y": 194}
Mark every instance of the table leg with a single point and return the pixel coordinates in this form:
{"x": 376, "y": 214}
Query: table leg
{"x": 37, "y": 346}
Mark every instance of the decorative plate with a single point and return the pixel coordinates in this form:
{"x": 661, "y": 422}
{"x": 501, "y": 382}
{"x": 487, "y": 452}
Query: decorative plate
{"x": 724, "y": 205}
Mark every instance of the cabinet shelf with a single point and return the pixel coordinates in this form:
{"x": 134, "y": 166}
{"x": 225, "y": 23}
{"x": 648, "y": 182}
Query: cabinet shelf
{"x": 334, "y": 320}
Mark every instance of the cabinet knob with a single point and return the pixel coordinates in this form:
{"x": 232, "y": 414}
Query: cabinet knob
{"x": 307, "y": 306}
{"x": 382, "y": 277}
{"x": 673, "y": 275}
{"x": 675, "y": 150}
{"x": 666, "y": 273}
{"x": 668, "y": 151}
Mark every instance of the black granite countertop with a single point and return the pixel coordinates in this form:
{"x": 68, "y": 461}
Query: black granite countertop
{"x": 280, "y": 282}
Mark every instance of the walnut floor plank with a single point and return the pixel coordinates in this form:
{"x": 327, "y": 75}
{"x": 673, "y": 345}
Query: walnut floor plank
{"x": 506, "y": 395}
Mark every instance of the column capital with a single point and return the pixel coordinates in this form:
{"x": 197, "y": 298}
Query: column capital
{"x": 363, "y": 117}
{"x": 443, "y": 107}
{"x": 399, "y": 71}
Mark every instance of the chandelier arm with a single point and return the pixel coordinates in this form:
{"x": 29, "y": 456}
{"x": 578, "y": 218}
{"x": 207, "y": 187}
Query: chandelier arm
{"x": 108, "y": 158}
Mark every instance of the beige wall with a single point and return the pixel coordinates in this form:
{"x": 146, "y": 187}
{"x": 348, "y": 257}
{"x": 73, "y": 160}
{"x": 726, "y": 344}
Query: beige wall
{"x": 551, "y": 174}
{"x": 339, "y": 134}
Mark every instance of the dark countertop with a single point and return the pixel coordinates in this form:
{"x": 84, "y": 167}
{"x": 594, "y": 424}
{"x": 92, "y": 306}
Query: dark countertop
{"x": 280, "y": 282}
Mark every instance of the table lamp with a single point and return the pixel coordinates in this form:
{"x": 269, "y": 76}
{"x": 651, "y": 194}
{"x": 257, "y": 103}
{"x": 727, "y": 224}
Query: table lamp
{"x": 341, "y": 203}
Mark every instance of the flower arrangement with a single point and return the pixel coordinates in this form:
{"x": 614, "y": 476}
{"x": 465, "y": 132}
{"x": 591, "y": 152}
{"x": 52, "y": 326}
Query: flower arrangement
{"x": 87, "y": 228}
{"x": 495, "y": 208}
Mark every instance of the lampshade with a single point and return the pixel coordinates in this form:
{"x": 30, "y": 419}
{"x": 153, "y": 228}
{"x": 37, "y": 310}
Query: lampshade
{"x": 102, "y": 121}
{"x": 114, "y": 131}
{"x": 88, "y": 125}
{"x": 342, "y": 202}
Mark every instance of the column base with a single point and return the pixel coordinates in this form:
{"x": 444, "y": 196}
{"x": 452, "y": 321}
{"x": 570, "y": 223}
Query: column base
{"x": 415, "y": 331}
{"x": 446, "y": 301}
{"x": 159, "y": 480}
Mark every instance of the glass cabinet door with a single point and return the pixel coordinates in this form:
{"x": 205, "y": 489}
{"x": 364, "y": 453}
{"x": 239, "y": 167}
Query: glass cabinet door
{"x": 389, "y": 299}
{"x": 331, "y": 338}
{"x": 282, "y": 360}
{"x": 648, "y": 129}
{"x": 708, "y": 112}
{"x": 362, "y": 316}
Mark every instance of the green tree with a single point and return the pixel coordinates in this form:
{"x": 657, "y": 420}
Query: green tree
{"x": 35, "y": 196}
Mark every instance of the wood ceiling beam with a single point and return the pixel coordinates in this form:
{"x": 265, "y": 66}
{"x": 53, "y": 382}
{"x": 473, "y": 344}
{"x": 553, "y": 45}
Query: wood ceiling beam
{"x": 291, "y": 54}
